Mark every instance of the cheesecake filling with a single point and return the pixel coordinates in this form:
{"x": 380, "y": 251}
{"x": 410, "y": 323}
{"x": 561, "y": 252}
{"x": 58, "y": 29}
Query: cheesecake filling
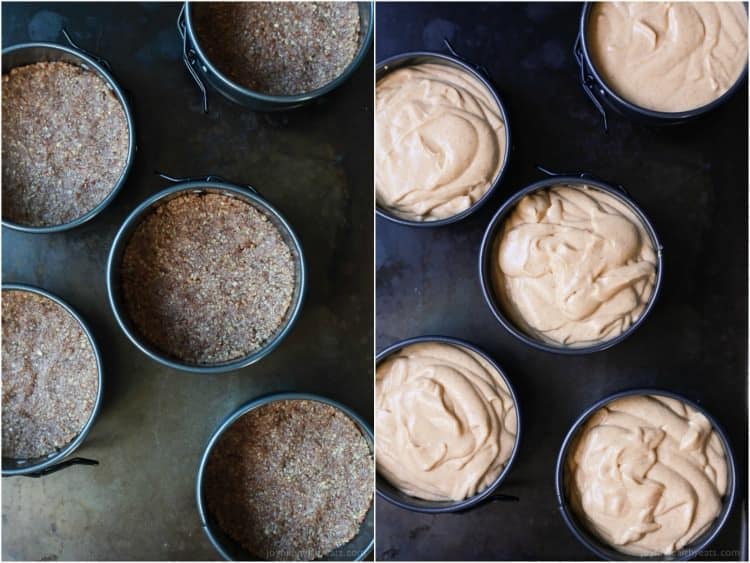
{"x": 572, "y": 265}
{"x": 647, "y": 474}
{"x": 440, "y": 141}
{"x": 446, "y": 421}
{"x": 668, "y": 56}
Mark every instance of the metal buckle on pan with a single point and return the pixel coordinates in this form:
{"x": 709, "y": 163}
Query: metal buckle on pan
{"x": 101, "y": 60}
{"x": 587, "y": 82}
{"x": 477, "y": 67}
{"x": 582, "y": 176}
{"x": 189, "y": 57}
{"x": 208, "y": 179}
{"x": 57, "y": 467}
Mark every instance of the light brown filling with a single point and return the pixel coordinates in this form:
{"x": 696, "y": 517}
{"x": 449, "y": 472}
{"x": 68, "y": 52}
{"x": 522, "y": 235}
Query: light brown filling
{"x": 647, "y": 474}
{"x": 446, "y": 421}
{"x": 440, "y": 141}
{"x": 668, "y": 56}
{"x": 573, "y": 265}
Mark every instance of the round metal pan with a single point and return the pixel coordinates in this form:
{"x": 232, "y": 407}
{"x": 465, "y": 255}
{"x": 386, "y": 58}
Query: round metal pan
{"x": 202, "y": 70}
{"x": 591, "y": 541}
{"x": 207, "y": 185}
{"x": 485, "y": 256}
{"x": 393, "y": 495}
{"x": 29, "y": 53}
{"x": 422, "y": 57}
{"x": 356, "y": 550}
{"x": 52, "y": 462}
{"x": 596, "y": 86}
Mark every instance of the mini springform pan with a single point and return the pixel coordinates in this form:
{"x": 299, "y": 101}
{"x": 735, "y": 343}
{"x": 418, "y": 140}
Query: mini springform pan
{"x": 485, "y": 257}
{"x": 30, "y": 53}
{"x": 203, "y": 71}
{"x": 210, "y": 184}
{"x": 480, "y": 74}
{"x": 356, "y": 550}
{"x": 607, "y": 552}
{"x": 390, "y": 493}
{"x": 55, "y": 461}
{"x": 599, "y": 91}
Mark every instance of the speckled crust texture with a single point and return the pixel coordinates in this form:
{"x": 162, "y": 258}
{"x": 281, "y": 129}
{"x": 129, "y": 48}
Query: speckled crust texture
{"x": 290, "y": 480}
{"x": 65, "y": 143}
{"x": 50, "y": 379}
{"x": 207, "y": 278}
{"x": 278, "y": 48}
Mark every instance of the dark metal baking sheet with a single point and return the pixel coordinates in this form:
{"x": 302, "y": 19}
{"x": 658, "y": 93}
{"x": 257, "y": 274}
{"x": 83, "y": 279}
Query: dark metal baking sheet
{"x": 314, "y": 164}
{"x": 693, "y": 183}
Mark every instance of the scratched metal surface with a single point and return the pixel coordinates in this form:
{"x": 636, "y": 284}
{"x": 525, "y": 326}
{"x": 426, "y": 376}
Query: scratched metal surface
{"x": 693, "y": 183}
{"x": 315, "y": 164}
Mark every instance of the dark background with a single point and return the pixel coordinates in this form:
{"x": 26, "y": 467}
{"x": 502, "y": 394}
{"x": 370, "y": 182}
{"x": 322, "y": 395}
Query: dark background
{"x": 691, "y": 180}
{"x": 314, "y": 164}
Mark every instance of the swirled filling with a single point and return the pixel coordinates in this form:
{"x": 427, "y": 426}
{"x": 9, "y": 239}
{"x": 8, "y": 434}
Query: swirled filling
{"x": 440, "y": 141}
{"x": 647, "y": 473}
{"x": 446, "y": 421}
{"x": 668, "y": 56}
{"x": 573, "y": 265}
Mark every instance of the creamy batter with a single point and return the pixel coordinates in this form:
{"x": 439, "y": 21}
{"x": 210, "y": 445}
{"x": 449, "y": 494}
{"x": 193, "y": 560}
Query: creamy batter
{"x": 647, "y": 474}
{"x": 446, "y": 421}
{"x": 572, "y": 265}
{"x": 668, "y": 56}
{"x": 440, "y": 141}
